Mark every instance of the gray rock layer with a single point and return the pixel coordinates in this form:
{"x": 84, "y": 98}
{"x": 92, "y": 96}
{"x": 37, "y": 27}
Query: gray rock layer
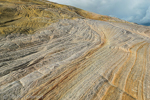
{"x": 78, "y": 59}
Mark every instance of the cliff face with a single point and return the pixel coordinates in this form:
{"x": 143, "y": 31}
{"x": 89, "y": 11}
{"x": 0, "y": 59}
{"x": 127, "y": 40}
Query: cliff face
{"x": 70, "y": 54}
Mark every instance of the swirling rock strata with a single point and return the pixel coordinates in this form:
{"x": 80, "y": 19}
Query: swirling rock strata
{"x": 78, "y": 59}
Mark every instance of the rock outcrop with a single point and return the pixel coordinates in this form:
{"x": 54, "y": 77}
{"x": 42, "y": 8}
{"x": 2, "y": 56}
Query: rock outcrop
{"x": 28, "y": 16}
{"x": 75, "y": 58}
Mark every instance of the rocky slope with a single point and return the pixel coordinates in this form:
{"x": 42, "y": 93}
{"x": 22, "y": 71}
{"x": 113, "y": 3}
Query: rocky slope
{"x": 77, "y": 55}
{"x": 27, "y": 16}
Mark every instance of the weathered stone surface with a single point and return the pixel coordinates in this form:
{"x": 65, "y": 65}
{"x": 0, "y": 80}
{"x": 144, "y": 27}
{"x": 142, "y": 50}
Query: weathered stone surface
{"x": 28, "y": 16}
{"x": 79, "y": 59}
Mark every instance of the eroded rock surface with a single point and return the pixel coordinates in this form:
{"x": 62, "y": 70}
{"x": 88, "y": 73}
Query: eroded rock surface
{"x": 78, "y": 59}
{"x": 28, "y": 16}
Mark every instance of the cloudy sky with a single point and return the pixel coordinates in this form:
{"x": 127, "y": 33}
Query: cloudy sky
{"x": 137, "y": 11}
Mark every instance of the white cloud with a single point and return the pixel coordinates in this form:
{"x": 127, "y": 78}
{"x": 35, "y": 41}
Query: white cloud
{"x": 137, "y": 11}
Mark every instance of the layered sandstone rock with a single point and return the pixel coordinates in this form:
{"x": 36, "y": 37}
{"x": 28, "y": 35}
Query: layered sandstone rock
{"x": 76, "y": 59}
{"x": 28, "y": 16}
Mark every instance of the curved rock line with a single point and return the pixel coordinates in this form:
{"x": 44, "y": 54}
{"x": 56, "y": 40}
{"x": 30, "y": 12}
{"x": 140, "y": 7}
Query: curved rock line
{"x": 78, "y": 59}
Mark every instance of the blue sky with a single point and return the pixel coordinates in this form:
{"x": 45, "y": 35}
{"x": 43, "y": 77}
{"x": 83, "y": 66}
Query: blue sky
{"x": 137, "y": 11}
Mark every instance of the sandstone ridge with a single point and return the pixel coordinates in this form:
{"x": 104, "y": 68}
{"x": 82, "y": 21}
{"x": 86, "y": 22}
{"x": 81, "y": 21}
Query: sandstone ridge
{"x": 28, "y": 16}
{"x": 76, "y": 59}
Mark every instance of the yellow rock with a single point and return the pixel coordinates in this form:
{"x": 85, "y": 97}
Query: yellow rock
{"x": 50, "y": 51}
